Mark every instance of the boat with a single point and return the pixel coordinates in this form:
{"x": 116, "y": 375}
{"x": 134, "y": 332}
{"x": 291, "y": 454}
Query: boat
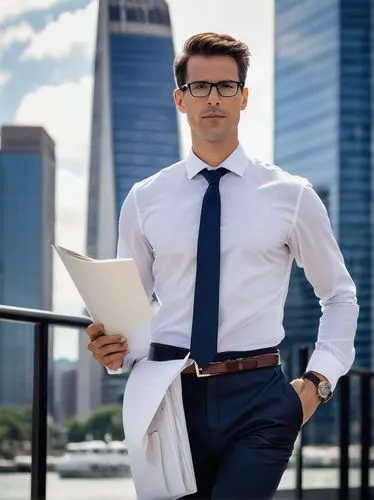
{"x": 94, "y": 459}
{"x": 7, "y": 466}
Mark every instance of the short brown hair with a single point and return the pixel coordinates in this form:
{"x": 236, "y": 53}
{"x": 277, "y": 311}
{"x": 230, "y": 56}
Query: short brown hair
{"x": 211, "y": 44}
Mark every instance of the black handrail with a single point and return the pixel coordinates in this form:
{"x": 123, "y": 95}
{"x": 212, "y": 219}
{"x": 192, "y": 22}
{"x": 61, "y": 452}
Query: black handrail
{"x": 25, "y": 315}
{"x": 303, "y": 361}
{"x": 344, "y": 437}
{"x": 43, "y": 319}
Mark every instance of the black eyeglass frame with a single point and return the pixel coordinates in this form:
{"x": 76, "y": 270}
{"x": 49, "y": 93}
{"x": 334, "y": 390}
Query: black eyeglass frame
{"x": 187, "y": 86}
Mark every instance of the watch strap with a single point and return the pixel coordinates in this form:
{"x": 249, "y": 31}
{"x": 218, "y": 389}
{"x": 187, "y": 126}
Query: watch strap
{"x": 312, "y": 377}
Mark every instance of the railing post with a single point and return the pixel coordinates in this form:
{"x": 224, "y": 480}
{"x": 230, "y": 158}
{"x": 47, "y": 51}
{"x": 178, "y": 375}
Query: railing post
{"x": 344, "y": 438}
{"x": 303, "y": 362}
{"x": 365, "y": 435}
{"x": 39, "y": 415}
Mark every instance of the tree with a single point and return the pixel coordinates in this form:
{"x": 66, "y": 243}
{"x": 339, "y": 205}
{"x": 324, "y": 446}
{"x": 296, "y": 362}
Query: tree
{"x": 13, "y": 430}
{"x": 76, "y": 431}
{"x": 12, "y": 424}
{"x": 117, "y": 426}
{"x": 105, "y": 420}
{"x": 26, "y": 416}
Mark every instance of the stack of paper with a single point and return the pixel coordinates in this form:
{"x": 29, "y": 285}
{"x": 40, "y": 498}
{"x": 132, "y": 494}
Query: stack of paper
{"x": 156, "y": 431}
{"x": 153, "y": 414}
{"x": 113, "y": 294}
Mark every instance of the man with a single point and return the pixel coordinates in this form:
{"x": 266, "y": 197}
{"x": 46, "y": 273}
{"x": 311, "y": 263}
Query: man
{"x": 214, "y": 237}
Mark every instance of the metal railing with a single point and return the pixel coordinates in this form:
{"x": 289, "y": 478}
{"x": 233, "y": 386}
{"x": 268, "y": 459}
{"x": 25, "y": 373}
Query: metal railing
{"x": 43, "y": 319}
{"x": 365, "y": 377}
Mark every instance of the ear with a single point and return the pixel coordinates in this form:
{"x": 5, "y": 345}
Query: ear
{"x": 245, "y": 95}
{"x": 179, "y": 100}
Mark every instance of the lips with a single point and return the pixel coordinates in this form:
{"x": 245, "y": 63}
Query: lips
{"x": 213, "y": 116}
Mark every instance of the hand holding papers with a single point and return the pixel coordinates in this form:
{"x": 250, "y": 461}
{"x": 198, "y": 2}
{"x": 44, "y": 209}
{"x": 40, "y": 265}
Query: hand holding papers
{"x": 153, "y": 418}
{"x": 113, "y": 294}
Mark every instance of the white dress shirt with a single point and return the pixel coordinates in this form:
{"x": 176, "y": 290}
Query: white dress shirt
{"x": 268, "y": 218}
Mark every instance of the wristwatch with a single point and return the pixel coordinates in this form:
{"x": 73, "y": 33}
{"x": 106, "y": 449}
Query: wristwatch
{"x": 324, "y": 391}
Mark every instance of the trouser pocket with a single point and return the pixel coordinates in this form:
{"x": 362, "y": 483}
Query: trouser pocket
{"x": 295, "y": 400}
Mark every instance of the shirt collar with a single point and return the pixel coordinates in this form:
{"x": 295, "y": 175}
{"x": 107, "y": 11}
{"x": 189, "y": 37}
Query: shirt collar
{"x": 237, "y": 163}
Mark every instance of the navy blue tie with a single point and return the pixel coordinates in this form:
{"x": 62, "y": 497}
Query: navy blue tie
{"x": 206, "y": 303}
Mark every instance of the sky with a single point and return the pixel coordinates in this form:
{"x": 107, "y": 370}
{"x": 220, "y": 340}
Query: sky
{"x": 46, "y": 61}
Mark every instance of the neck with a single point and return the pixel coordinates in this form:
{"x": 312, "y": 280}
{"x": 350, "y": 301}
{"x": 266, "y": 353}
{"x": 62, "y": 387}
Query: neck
{"x": 214, "y": 153}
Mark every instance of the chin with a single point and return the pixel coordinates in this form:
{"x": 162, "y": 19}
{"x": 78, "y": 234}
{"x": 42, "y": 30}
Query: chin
{"x": 214, "y": 135}
{"x": 214, "y": 138}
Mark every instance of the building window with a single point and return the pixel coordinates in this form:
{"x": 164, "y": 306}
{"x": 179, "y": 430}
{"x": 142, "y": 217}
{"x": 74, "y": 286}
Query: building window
{"x": 156, "y": 16}
{"x": 131, "y": 14}
{"x": 166, "y": 17}
{"x": 141, "y": 15}
{"x": 114, "y": 13}
{"x": 134, "y": 14}
{"x": 323, "y": 193}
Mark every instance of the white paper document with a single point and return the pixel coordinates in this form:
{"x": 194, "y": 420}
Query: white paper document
{"x": 156, "y": 431}
{"x": 113, "y": 294}
{"x": 153, "y": 413}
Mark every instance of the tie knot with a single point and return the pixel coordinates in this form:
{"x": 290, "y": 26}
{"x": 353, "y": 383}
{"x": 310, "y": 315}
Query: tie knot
{"x": 214, "y": 176}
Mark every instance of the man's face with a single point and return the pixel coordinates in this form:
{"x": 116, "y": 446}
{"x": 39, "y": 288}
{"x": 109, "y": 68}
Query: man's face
{"x": 213, "y": 118}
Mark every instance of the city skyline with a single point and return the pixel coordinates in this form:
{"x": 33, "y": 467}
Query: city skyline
{"x": 322, "y": 127}
{"x": 323, "y": 121}
{"x": 46, "y": 69}
{"x": 27, "y": 209}
{"x": 134, "y": 133}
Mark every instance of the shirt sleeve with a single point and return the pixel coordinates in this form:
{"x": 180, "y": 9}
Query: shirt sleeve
{"x": 315, "y": 249}
{"x": 132, "y": 243}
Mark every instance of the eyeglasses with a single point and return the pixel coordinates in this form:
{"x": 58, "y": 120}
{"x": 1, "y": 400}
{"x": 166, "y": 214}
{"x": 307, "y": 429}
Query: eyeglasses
{"x": 226, "y": 88}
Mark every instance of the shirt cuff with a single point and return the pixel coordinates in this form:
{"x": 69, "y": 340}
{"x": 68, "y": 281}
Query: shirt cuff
{"x": 127, "y": 364}
{"x": 327, "y": 365}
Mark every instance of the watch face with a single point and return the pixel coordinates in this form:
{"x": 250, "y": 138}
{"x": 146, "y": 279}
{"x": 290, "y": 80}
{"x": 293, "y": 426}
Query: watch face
{"x": 324, "y": 389}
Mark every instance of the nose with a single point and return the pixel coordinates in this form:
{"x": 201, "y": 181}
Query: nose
{"x": 214, "y": 98}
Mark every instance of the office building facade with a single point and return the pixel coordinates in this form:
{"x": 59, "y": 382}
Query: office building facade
{"x": 65, "y": 390}
{"x": 323, "y": 131}
{"x": 323, "y": 127}
{"x": 27, "y": 221}
{"x": 134, "y": 122}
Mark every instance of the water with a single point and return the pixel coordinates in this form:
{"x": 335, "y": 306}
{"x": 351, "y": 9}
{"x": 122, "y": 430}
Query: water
{"x": 16, "y": 486}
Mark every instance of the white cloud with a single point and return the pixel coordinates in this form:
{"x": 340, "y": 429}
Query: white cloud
{"x": 20, "y": 33}
{"x": 4, "y": 77}
{"x": 11, "y": 9}
{"x": 71, "y": 207}
{"x": 65, "y": 112}
{"x": 69, "y": 31}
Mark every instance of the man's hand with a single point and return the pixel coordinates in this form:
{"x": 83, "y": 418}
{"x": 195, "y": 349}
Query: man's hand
{"x": 108, "y": 350}
{"x": 307, "y": 393}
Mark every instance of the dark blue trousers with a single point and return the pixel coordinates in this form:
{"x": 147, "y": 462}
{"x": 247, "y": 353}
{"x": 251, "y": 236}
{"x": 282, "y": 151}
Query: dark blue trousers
{"x": 242, "y": 428}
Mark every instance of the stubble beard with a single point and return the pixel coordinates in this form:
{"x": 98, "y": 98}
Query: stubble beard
{"x": 214, "y": 136}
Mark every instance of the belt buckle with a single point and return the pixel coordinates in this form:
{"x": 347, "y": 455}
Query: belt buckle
{"x": 199, "y": 373}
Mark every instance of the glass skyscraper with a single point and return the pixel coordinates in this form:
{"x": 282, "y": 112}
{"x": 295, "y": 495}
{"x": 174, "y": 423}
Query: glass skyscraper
{"x": 134, "y": 123}
{"x": 27, "y": 221}
{"x": 323, "y": 130}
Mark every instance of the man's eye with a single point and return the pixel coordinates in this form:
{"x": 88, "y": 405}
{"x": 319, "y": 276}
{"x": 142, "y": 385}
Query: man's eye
{"x": 201, "y": 85}
{"x": 227, "y": 85}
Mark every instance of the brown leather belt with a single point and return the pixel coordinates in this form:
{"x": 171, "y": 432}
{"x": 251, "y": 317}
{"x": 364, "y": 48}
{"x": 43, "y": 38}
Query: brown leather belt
{"x": 234, "y": 365}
